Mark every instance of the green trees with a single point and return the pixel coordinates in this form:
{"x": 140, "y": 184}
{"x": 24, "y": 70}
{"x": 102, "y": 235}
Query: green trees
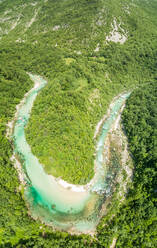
{"x": 134, "y": 223}
{"x": 82, "y": 82}
{"x": 141, "y": 200}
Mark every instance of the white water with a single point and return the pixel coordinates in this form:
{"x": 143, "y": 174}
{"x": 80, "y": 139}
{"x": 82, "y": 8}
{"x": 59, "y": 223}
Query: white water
{"x": 55, "y": 202}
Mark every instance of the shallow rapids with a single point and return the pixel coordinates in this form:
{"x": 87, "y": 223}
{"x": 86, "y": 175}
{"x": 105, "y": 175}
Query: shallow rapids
{"x": 74, "y": 209}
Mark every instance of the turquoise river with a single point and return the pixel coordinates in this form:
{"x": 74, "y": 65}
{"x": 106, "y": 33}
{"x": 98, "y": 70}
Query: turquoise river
{"x": 74, "y": 208}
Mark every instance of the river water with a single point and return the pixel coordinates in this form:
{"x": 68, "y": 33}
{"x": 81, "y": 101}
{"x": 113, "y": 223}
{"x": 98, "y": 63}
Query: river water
{"x": 60, "y": 207}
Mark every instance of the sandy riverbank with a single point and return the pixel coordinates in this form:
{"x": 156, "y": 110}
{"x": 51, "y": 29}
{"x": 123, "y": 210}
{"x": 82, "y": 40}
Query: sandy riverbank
{"x": 55, "y": 191}
{"x": 87, "y": 187}
{"x": 10, "y": 124}
{"x": 10, "y": 128}
{"x": 61, "y": 182}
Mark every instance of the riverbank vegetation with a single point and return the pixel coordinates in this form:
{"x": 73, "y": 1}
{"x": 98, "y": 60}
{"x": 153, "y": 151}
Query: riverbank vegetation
{"x": 81, "y": 84}
{"x": 134, "y": 223}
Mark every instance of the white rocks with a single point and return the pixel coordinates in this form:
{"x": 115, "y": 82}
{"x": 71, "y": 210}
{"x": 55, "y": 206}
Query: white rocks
{"x": 78, "y": 52}
{"x": 33, "y": 19}
{"x": 56, "y": 27}
{"x": 19, "y": 40}
{"x": 97, "y": 48}
{"x": 76, "y": 188}
{"x": 34, "y": 4}
{"x": 117, "y": 34}
{"x": 13, "y": 26}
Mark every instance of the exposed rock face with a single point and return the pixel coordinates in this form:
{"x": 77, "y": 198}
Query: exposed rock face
{"x": 117, "y": 34}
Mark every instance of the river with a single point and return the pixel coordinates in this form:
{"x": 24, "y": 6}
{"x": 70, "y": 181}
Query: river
{"x": 55, "y": 202}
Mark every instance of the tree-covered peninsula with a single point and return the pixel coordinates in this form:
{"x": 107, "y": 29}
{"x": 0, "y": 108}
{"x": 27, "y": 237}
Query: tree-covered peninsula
{"x": 89, "y": 52}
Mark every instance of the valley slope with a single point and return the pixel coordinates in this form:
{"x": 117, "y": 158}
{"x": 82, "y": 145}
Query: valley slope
{"x": 89, "y": 51}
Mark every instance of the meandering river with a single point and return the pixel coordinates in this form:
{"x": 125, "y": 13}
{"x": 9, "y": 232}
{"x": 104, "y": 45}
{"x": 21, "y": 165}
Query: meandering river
{"x": 66, "y": 207}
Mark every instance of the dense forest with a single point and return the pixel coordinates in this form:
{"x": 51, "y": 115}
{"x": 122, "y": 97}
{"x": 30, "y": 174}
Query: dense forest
{"x": 77, "y": 97}
{"x": 82, "y": 80}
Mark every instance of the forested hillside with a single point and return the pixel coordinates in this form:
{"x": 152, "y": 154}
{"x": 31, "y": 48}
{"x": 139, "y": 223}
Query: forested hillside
{"x": 89, "y": 51}
{"x": 140, "y": 213}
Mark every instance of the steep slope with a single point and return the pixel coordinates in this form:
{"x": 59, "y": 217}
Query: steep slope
{"x": 89, "y": 51}
{"x": 87, "y": 79}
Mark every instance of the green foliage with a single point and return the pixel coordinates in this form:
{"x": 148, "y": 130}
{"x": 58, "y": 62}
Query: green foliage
{"x": 65, "y": 114}
{"x": 134, "y": 223}
{"x": 140, "y": 213}
{"x": 81, "y": 84}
